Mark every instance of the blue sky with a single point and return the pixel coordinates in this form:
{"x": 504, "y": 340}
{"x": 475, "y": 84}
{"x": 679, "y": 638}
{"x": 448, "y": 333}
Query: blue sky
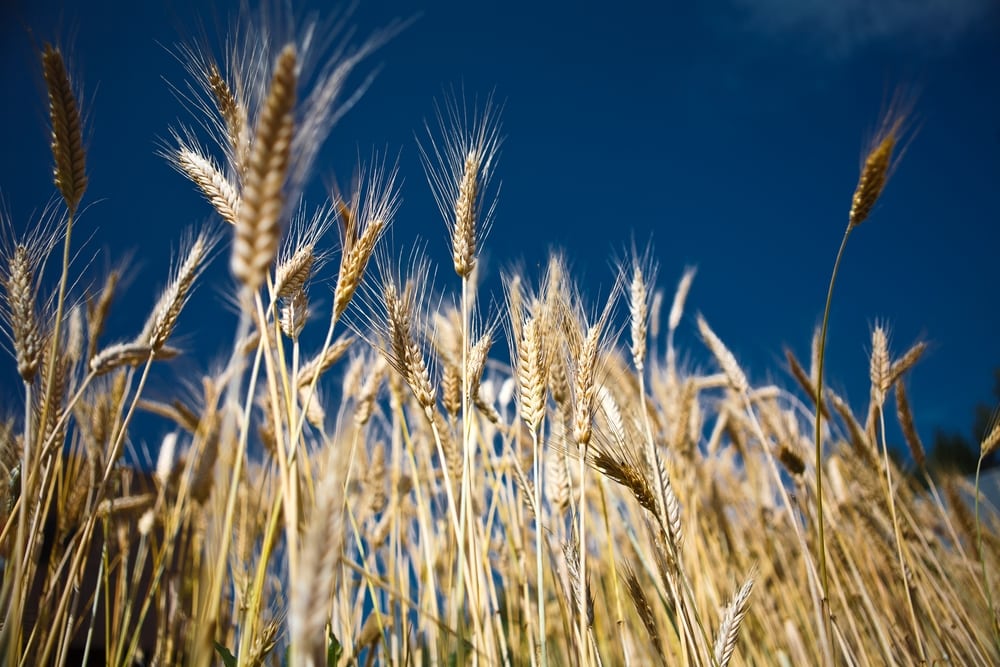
{"x": 729, "y": 134}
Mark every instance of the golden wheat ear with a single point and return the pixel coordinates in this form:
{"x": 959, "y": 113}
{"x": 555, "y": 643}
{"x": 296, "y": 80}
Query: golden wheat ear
{"x": 460, "y": 171}
{"x": 23, "y": 321}
{"x": 67, "y": 130}
{"x": 882, "y": 156}
{"x": 258, "y": 220}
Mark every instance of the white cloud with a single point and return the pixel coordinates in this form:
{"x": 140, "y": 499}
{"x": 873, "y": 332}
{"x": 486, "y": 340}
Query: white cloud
{"x": 842, "y": 25}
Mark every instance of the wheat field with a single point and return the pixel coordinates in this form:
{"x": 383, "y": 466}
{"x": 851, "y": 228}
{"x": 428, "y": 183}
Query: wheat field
{"x": 385, "y": 469}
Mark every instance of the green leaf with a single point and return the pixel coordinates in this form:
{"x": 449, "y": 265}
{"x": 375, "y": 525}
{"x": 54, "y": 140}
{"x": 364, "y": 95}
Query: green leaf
{"x": 333, "y": 651}
{"x": 228, "y": 659}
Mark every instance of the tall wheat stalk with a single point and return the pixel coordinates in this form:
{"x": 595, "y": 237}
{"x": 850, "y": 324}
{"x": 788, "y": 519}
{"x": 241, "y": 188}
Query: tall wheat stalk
{"x": 875, "y": 172}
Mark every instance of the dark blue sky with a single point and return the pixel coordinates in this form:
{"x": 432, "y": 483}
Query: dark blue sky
{"x": 731, "y": 135}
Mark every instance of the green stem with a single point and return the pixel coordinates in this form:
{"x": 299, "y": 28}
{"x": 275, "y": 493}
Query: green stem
{"x": 819, "y": 418}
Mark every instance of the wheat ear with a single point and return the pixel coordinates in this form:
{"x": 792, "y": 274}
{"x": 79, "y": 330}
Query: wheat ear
{"x": 67, "y": 131}
{"x": 24, "y": 324}
{"x": 725, "y": 641}
{"x": 315, "y": 578}
{"x": 257, "y": 223}
{"x": 214, "y": 185}
{"x": 162, "y": 320}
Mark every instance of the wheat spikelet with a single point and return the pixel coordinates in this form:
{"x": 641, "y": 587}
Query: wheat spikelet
{"x": 906, "y": 362}
{"x": 127, "y": 354}
{"x": 451, "y": 389}
{"x": 464, "y": 231}
{"x": 375, "y": 479}
{"x": 670, "y": 511}
{"x": 879, "y": 367}
{"x": 991, "y": 441}
{"x": 161, "y": 321}
{"x": 876, "y": 169}
{"x": 859, "y": 440}
{"x": 873, "y": 178}
{"x": 67, "y": 132}
{"x": 557, "y": 475}
{"x": 19, "y": 287}
{"x": 725, "y": 641}
{"x": 97, "y": 312}
{"x": 313, "y": 407}
{"x": 619, "y": 464}
{"x": 74, "y": 335}
{"x": 294, "y": 314}
{"x": 557, "y": 362}
{"x": 257, "y": 224}
{"x": 642, "y": 607}
{"x": 406, "y": 355}
{"x": 639, "y": 320}
{"x": 365, "y": 403}
{"x": 680, "y": 296}
{"x": 579, "y": 582}
{"x": 320, "y": 364}
{"x": 459, "y": 174}
{"x": 363, "y": 223}
{"x": 292, "y": 275}
{"x": 165, "y": 461}
{"x": 734, "y": 374}
{"x": 234, "y": 116}
{"x": 909, "y": 430}
{"x": 531, "y": 374}
{"x": 264, "y": 643}
{"x": 584, "y": 387}
{"x": 478, "y": 356}
{"x": 316, "y": 576}
{"x": 215, "y": 187}
{"x": 791, "y": 459}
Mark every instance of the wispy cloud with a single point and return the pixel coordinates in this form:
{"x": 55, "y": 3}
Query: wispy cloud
{"x": 840, "y": 26}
